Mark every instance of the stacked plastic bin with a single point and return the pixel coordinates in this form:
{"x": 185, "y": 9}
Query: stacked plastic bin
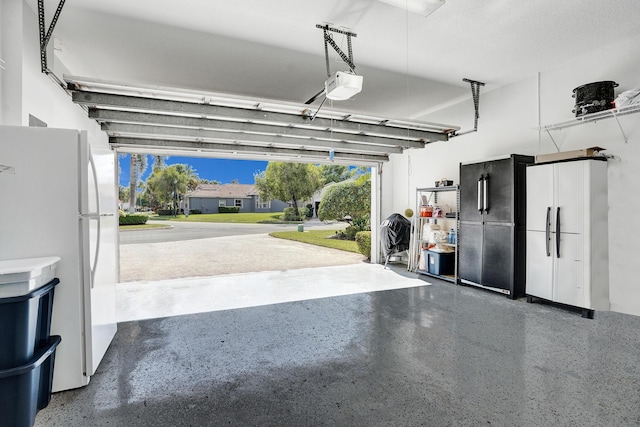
{"x": 27, "y": 350}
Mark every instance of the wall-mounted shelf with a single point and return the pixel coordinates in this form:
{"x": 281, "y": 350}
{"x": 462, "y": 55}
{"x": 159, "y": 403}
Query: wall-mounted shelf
{"x": 593, "y": 117}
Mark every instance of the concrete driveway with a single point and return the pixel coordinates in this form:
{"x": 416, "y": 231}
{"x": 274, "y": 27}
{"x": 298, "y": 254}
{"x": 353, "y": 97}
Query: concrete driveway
{"x": 212, "y": 256}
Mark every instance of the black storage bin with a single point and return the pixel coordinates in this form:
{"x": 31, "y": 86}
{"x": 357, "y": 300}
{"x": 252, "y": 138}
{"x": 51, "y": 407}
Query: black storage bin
{"x": 439, "y": 263}
{"x": 594, "y": 97}
{"x": 26, "y": 389}
{"x": 25, "y": 325}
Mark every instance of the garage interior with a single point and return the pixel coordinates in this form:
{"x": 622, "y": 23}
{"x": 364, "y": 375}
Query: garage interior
{"x": 436, "y": 354}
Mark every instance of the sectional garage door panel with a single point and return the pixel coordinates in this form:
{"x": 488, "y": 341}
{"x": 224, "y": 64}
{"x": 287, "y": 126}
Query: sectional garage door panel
{"x": 164, "y": 120}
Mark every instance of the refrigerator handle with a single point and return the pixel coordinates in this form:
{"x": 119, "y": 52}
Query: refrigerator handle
{"x": 92, "y": 266}
{"x": 558, "y": 232}
{"x": 480, "y": 193}
{"x": 548, "y": 231}
{"x": 485, "y": 193}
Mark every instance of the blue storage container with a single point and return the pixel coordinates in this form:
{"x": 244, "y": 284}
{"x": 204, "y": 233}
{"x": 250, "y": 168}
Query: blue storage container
{"x": 26, "y": 389}
{"x": 439, "y": 263}
{"x": 25, "y": 325}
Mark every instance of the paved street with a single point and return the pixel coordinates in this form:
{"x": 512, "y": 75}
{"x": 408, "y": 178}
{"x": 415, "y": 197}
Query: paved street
{"x": 180, "y": 231}
{"x": 208, "y": 249}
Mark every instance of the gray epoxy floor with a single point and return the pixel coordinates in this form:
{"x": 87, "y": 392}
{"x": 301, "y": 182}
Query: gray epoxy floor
{"x": 440, "y": 355}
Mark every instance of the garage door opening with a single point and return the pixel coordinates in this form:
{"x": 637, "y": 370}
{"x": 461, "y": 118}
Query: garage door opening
{"x": 190, "y": 252}
{"x": 186, "y": 201}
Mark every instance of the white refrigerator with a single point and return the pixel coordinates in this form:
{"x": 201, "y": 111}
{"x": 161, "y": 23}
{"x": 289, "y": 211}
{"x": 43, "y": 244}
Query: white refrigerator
{"x": 59, "y": 199}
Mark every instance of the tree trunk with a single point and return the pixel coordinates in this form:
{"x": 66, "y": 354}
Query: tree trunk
{"x": 133, "y": 182}
{"x": 295, "y": 205}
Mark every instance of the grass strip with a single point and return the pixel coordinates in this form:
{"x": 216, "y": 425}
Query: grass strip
{"x": 239, "y": 218}
{"x": 140, "y": 226}
{"x": 318, "y": 238}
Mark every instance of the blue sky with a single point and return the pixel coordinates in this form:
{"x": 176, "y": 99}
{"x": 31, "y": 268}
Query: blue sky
{"x": 223, "y": 170}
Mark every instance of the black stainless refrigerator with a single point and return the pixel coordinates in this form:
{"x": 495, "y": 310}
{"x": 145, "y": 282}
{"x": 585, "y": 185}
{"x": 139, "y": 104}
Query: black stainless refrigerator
{"x": 492, "y": 230}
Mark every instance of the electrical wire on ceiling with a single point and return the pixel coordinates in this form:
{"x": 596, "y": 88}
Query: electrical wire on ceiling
{"x": 409, "y": 170}
{"x": 406, "y": 84}
{"x": 406, "y": 76}
{"x": 331, "y": 150}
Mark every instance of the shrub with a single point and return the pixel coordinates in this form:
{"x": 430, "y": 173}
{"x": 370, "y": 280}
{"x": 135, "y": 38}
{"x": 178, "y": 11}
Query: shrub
{"x": 309, "y": 210}
{"x": 133, "y": 219}
{"x": 350, "y": 232}
{"x": 229, "y": 209}
{"x": 195, "y": 211}
{"x": 362, "y": 223}
{"x": 351, "y": 198}
{"x": 165, "y": 212}
{"x": 290, "y": 215}
{"x": 363, "y": 239}
{"x": 357, "y": 225}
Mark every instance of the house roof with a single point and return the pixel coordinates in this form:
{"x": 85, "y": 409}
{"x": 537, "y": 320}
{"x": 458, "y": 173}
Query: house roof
{"x": 226, "y": 191}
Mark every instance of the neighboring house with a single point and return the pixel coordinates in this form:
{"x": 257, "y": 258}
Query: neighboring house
{"x": 317, "y": 198}
{"x": 207, "y": 198}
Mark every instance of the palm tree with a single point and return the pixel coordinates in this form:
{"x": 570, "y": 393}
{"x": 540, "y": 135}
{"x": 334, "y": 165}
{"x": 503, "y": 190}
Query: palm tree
{"x": 158, "y": 162}
{"x": 137, "y": 165}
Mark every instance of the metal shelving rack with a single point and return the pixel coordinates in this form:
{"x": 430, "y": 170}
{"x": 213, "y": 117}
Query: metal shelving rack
{"x": 417, "y": 228}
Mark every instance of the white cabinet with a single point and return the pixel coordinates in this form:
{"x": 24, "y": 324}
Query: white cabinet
{"x": 567, "y": 238}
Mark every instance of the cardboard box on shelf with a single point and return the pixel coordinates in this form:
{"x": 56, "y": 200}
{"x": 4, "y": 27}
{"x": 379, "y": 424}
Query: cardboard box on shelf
{"x": 564, "y": 155}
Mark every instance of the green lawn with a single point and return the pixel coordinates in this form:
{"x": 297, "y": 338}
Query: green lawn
{"x": 240, "y": 217}
{"x": 140, "y": 226}
{"x": 318, "y": 238}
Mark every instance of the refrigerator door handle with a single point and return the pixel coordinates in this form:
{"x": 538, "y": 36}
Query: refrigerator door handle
{"x": 558, "y": 232}
{"x": 548, "y": 231}
{"x": 480, "y": 193}
{"x": 92, "y": 266}
{"x": 485, "y": 193}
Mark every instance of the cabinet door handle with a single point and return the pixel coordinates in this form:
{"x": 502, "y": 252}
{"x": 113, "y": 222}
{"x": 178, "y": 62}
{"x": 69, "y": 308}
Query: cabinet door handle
{"x": 548, "y": 231}
{"x": 485, "y": 193}
{"x": 480, "y": 193}
{"x": 558, "y": 232}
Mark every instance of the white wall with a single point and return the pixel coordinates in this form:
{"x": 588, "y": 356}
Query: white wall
{"x": 3, "y": 55}
{"x": 24, "y": 89}
{"x": 11, "y": 53}
{"x": 509, "y": 117}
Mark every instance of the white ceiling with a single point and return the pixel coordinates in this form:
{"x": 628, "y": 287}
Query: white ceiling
{"x": 272, "y": 49}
